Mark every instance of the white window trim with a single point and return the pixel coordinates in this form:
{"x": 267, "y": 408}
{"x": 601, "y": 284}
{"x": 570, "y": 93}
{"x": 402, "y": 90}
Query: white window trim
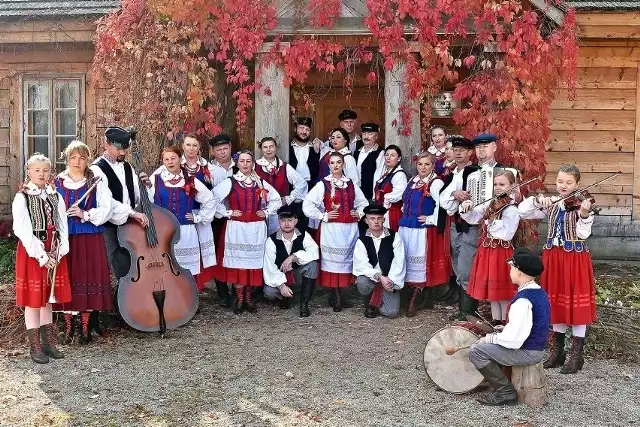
{"x": 22, "y": 103}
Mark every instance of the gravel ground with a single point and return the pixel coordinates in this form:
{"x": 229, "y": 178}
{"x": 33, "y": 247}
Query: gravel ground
{"x": 275, "y": 369}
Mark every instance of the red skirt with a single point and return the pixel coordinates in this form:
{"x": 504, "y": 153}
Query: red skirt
{"x": 237, "y": 276}
{"x": 395, "y": 213}
{"x": 218, "y": 270}
{"x": 89, "y": 274}
{"x": 438, "y": 266}
{"x": 489, "y": 279}
{"x": 32, "y": 287}
{"x": 568, "y": 280}
{"x": 206, "y": 275}
{"x": 327, "y": 279}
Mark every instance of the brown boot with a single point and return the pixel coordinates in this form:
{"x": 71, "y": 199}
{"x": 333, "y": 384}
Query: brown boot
{"x": 248, "y": 304}
{"x": 576, "y": 360}
{"x": 35, "y": 347}
{"x": 238, "y": 302}
{"x": 48, "y": 335}
{"x": 557, "y": 355}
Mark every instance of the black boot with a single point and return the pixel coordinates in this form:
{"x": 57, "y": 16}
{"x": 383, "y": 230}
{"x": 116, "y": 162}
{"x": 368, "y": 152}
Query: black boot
{"x": 48, "y": 336}
{"x": 94, "y": 323}
{"x": 451, "y": 296}
{"x": 504, "y": 392}
{"x": 35, "y": 347}
{"x": 83, "y": 326}
{"x": 411, "y": 309}
{"x": 427, "y": 299}
{"x": 284, "y": 303}
{"x": 576, "y": 360}
{"x": 224, "y": 297}
{"x": 557, "y": 354}
{"x": 369, "y": 312}
{"x": 305, "y": 295}
{"x": 469, "y": 306}
{"x": 238, "y": 301}
{"x": 458, "y": 314}
{"x": 69, "y": 329}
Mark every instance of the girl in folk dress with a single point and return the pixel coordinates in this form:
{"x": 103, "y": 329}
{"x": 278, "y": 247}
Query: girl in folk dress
{"x": 87, "y": 258}
{"x": 424, "y": 246}
{"x": 568, "y": 272}
{"x": 289, "y": 184}
{"x": 339, "y": 203}
{"x": 389, "y": 185}
{"x": 173, "y": 189}
{"x": 251, "y": 201}
{"x": 438, "y": 148}
{"x": 489, "y": 279}
{"x": 339, "y": 140}
{"x": 39, "y": 222}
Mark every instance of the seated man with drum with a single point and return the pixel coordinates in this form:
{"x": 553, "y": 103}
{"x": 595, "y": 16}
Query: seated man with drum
{"x": 523, "y": 339}
{"x": 379, "y": 265}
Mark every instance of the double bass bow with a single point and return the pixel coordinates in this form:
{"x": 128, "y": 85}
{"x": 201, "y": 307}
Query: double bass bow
{"x": 156, "y": 294}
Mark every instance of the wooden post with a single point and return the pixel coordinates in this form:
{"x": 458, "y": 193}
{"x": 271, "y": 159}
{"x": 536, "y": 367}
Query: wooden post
{"x": 636, "y": 154}
{"x": 531, "y": 385}
{"x": 272, "y": 105}
{"x": 395, "y": 96}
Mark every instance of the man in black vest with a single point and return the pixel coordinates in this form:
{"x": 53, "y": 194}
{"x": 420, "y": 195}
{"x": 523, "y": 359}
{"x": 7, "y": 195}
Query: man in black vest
{"x": 369, "y": 158}
{"x": 123, "y": 183}
{"x": 348, "y": 122}
{"x": 291, "y": 258}
{"x": 379, "y": 265}
{"x": 304, "y": 157}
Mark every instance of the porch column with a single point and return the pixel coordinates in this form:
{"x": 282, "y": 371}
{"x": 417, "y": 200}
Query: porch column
{"x": 272, "y": 105}
{"x": 395, "y": 96}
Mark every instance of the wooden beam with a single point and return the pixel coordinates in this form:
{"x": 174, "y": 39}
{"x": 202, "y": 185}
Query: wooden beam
{"x": 609, "y": 78}
{"x": 636, "y": 160}
{"x": 590, "y": 162}
{"x": 595, "y": 99}
{"x": 584, "y": 140}
{"x": 607, "y": 18}
{"x": 592, "y": 119}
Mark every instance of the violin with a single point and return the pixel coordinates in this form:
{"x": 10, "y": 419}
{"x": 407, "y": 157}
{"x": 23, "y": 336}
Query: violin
{"x": 498, "y": 204}
{"x": 574, "y": 202}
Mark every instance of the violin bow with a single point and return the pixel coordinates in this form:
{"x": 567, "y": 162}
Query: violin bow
{"x": 85, "y": 195}
{"x": 595, "y": 184}
{"x": 515, "y": 187}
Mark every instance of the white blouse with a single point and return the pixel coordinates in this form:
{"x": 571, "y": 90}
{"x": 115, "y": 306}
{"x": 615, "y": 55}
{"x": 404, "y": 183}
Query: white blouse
{"x": 23, "y": 229}
{"x": 222, "y": 191}
{"x": 313, "y": 204}
{"x": 529, "y": 209}
{"x": 398, "y": 182}
{"x": 293, "y": 177}
{"x": 350, "y": 166}
{"x": 272, "y": 275}
{"x": 102, "y": 212}
{"x": 504, "y": 228}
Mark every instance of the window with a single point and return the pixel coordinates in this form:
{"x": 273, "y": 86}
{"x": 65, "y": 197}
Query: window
{"x": 51, "y": 116}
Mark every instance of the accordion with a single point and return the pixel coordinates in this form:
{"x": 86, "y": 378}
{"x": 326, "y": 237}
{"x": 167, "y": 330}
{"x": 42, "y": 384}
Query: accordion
{"x": 480, "y": 183}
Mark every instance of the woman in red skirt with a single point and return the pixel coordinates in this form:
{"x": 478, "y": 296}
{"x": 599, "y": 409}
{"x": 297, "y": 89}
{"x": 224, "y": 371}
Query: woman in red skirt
{"x": 87, "y": 258}
{"x": 251, "y": 201}
{"x": 39, "y": 221}
{"x": 489, "y": 279}
{"x": 568, "y": 272}
{"x": 389, "y": 186}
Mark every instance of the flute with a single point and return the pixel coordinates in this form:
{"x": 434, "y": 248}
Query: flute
{"x": 85, "y": 195}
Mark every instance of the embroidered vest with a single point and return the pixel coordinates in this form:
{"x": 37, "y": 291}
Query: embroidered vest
{"x": 367, "y": 171}
{"x": 384, "y": 256}
{"x": 43, "y": 218}
{"x": 562, "y": 225}
{"x": 281, "y": 250}
{"x": 491, "y": 242}
{"x": 75, "y": 224}
{"x": 174, "y": 199}
{"x": 537, "y": 339}
{"x": 343, "y": 201}
{"x": 384, "y": 186}
{"x": 246, "y": 200}
{"x": 277, "y": 178}
{"x": 417, "y": 202}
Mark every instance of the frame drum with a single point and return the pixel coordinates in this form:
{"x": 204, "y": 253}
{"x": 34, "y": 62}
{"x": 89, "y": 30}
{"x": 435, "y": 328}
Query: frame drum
{"x": 455, "y": 374}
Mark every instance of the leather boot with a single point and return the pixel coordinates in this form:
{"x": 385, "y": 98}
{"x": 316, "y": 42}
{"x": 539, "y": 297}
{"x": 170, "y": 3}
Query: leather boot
{"x": 427, "y": 299}
{"x": 248, "y": 303}
{"x": 35, "y": 347}
{"x": 411, "y": 309}
{"x": 557, "y": 354}
{"x": 369, "y": 312}
{"x": 504, "y": 392}
{"x": 85, "y": 331}
{"x": 576, "y": 360}
{"x": 458, "y": 314}
{"x": 305, "y": 295}
{"x": 48, "y": 336}
{"x": 238, "y": 302}
{"x": 94, "y": 323}
{"x": 284, "y": 303}
{"x": 69, "y": 330}
{"x": 224, "y": 297}
{"x": 451, "y": 296}
{"x": 469, "y": 306}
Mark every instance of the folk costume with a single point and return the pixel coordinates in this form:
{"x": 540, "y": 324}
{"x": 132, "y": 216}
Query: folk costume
{"x": 244, "y": 236}
{"x": 567, "y": 278}
{"x": 356, "y": 140}
{"x": 523, "y": 338}
{"x": 389, "y": 186}
{"x": 375, "y": 257}
{"x": 369, "y": 160}
{"x": 439, "y": 166}
{"x": 424, "y": 245}
{"x": 350, "y": 167}
{"x": 304, "y": 270}
{"x": 489, "y": 278}
{"x": 337, "y": 236}
{"x": 87, "y": 259}
{"x": 288, "y": 183}
{"x": 306, "y": 161}
{"x": 181, "y": 194}
{"x": 39, "y": 220}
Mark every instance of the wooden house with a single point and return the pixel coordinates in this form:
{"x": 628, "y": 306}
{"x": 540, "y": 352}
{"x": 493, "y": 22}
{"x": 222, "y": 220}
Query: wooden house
{"x": 47, "y": 98}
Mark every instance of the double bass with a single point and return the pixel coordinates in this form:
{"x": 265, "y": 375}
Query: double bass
{"x": 156, "y": 294}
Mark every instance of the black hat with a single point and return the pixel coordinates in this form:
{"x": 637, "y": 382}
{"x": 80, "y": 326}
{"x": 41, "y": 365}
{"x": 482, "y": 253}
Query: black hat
{"x": 347, "y": 114}
{"x": 304, "y": 121}
{"x": 484, "y": 138}
{"x": 220, "y": 140}
{"x": 119, "y": 137}
{"x": 527, "y": 262}
{"x": 460, "y": 141}
{"x": 370, "y": 127}
{"x": 375, "y": 210}
{"x": 286, "y": 212}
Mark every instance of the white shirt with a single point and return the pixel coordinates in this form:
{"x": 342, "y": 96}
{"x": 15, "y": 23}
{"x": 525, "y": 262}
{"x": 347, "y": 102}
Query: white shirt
{"x": 504, "y": 228}
{"x": 302, "y": 155}
{"x": 529, "y": 209}
{"x": 272, "y": 275}
{"x": 313, "y": 204}
{"x": 228, "y": 172}
{"x": 362, "y": 266}
{"x": 294, "y": 178}
{"x": 23, "y": 228}
{"x": 398, "y": 183}
{"x": 120, "y": 211}
{"x": 516, "y": 332}
{"x": 350, "y": 167}
{"x": 447, "y": 201}
{"x": 222, "y": 191}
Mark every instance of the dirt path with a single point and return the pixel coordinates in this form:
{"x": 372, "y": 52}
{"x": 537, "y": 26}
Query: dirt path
{"x": 275, "y": 369}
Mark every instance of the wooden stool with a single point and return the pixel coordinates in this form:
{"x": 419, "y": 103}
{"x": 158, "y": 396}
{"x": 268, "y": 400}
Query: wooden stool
{"x": 531, "y": 385}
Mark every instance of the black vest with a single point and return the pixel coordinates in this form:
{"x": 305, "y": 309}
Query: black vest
{"x": 281, "y": 251}
{"x": 114, "y": 183}
{"x": 367, "y": 171}
{"x": 313, "y": 161}
{"x": 384, "y": 256}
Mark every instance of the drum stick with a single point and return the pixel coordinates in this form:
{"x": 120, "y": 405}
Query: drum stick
{"x": 450, "y": 350}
